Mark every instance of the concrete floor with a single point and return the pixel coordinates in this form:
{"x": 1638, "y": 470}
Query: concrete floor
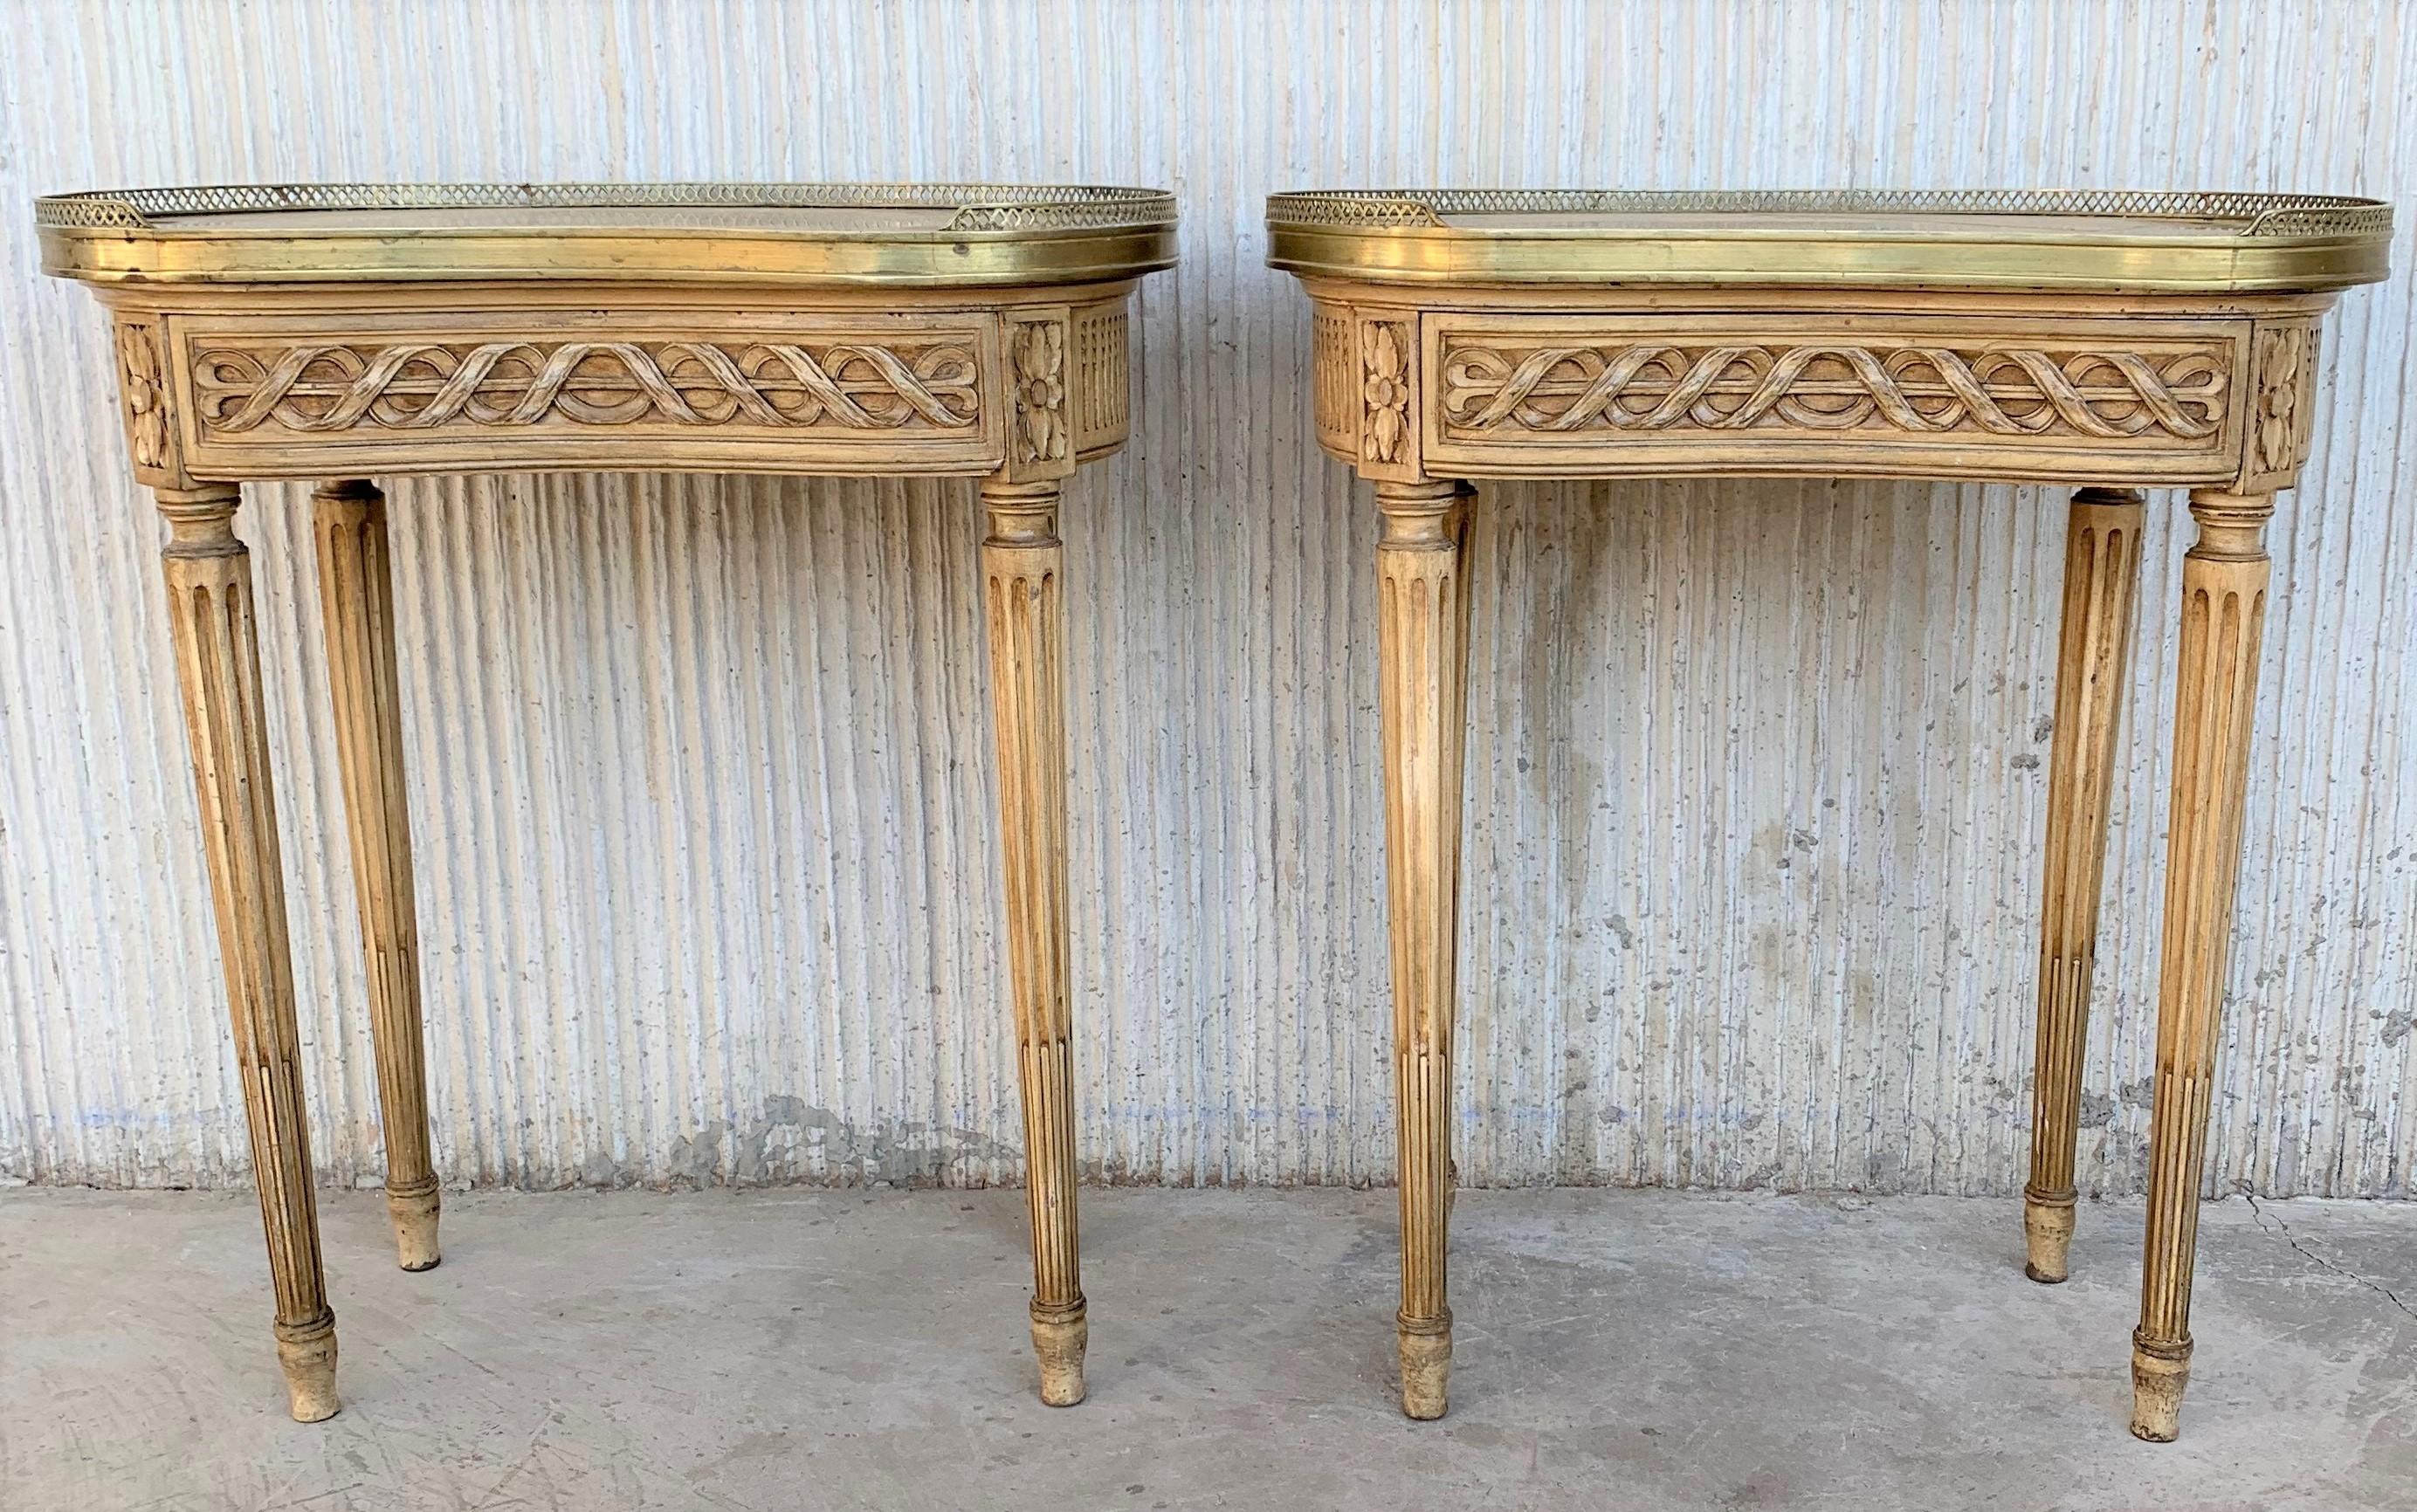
{"x": 836, "y": 1350}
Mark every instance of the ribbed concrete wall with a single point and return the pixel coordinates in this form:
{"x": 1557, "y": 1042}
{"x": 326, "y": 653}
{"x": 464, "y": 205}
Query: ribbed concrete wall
{"x": 699, "y": 769}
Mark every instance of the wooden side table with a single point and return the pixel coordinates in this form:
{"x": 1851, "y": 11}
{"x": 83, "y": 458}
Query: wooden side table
{"x": 342, "y": 332}
{"x": 2113, "y": 341}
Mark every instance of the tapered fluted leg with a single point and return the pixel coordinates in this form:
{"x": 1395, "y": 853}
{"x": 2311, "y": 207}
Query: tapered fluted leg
{"x": 2224, "y": 611}
{"x": 2102, "y": 568}
{"x": 218, "y": 667}
{"x": 1422, "y": 636}
{"x": 356, "y": 601}
{"x": 1021, "y": 560}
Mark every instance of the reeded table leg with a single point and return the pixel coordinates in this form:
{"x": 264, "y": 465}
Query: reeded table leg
{"x": 2224, "y": 608}
{"x": 1022, "y": 561}
{"x": 1422, "y": 628}
{"x": 356, "y": 599}
{"x": 218, "y": 667}
{"x": 2101, "y": 569}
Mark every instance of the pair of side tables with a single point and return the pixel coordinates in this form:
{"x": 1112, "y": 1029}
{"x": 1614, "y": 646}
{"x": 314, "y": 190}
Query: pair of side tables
{"x": 346, "y": 333}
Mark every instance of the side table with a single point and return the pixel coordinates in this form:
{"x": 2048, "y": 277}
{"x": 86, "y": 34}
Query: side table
{"x": 2111, "y": 340}
{"x": 347, "y": 332}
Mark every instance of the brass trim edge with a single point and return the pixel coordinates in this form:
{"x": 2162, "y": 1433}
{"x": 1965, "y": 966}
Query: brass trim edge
{"x": 2266, "y": 241}
{"x": 997, "y": 235}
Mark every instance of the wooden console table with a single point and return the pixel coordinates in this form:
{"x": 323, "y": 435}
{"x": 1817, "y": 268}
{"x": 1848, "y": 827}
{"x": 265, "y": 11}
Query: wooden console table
{"x": 339, "y": 333}
{"x": 2108, "y": 339}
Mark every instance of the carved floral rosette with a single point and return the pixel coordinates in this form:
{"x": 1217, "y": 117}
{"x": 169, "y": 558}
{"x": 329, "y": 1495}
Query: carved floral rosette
{"x": 142, "y": 393}
{"x": 1386, "y": 349}
{"x": 1037, "y": 369}
{"x": 2281, "y": 424}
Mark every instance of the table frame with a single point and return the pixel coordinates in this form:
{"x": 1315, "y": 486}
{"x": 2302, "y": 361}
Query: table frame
{"x": 222, "y": 384}
{"x": 1421, "y": 388}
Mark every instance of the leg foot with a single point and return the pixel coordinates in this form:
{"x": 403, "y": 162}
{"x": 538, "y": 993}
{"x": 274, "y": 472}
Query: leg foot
{"x": 2159, "y": 1373}
{"x": 1426, "y": 1369}
{"x": 2047, "y": 1230}
{"x": 1059, "y": 1338}
{"x": 413, "y": 1213}
{"x": 308, "y": 1354}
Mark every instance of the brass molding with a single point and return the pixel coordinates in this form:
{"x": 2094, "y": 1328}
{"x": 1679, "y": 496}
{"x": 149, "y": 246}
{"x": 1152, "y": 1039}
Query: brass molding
{"x": 887, "y": 235}
{"x": 2091, "y": 239}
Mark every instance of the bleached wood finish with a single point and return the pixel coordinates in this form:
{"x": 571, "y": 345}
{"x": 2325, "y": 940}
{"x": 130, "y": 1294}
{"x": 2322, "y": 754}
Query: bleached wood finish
{"x": 1423, "y": 641}
{"x": 2223, "y": 617}
{"x": 208, "y": 574}
{"x": 356, "y": 607}
{"x": 1023, "y": 566}
{"x": 1462, "y": 334}
{"x": 946, "y": 330}
{"x": 2102, "y": 571}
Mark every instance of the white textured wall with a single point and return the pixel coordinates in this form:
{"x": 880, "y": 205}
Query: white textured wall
{"x": 699, "y": 767}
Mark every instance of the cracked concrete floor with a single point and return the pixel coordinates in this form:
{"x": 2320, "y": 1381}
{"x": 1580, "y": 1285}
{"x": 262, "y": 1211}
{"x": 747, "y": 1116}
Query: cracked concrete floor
{"x": 798, "y": 1348}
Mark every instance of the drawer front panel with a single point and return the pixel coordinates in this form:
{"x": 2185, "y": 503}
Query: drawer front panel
{"x": 753, "y": 391}
{"x": 1843, "y": 394}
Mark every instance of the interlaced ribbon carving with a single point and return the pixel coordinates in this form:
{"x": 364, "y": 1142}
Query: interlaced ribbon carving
{"x": 1653, "y": 387}
{"x": 417, "y": 386}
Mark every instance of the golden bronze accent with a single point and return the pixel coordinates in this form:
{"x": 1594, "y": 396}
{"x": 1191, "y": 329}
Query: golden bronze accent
{"x": 1474, "y": 333}
{"x": 945, "y": 235}
{"x": 2102, "y": 239}
{"x": 340, "y": 333}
